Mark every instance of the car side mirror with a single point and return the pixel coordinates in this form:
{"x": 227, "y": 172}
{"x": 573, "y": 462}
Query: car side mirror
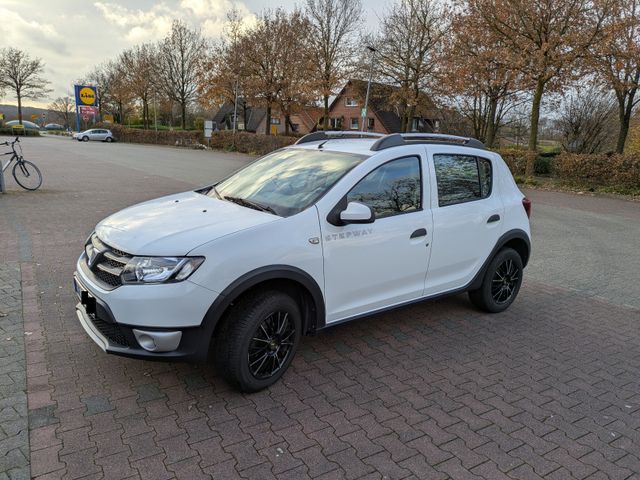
{"x": 357, "y": 212}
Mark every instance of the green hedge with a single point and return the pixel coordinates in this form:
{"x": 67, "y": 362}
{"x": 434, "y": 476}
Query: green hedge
{"x": 252, "y": 143}
{"x": 19, "y": 133}
{"x": 161, "y": 137}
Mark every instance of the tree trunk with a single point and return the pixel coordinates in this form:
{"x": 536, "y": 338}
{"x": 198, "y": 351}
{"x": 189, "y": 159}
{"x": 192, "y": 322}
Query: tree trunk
{"x": 325, "y": 120}
{"x": 267, "y": 123}
{"x": 625, "y": 107}
{"x": 409, "y": 121}
{"x": 184, "y": 114}
{"x": 492, "y": 128}
{"x": 535, "y": 119}
{"x": 19, "y": 108}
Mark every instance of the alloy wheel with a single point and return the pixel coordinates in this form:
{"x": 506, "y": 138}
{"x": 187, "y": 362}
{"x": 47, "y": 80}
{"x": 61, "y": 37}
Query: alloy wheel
{"x": 271, "y": 345}
{"x": 505, "y": 281}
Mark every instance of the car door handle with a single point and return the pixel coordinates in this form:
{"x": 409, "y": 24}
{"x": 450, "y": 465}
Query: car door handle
{"x": 493, "y": 218}
{"x": 421, "y": 232}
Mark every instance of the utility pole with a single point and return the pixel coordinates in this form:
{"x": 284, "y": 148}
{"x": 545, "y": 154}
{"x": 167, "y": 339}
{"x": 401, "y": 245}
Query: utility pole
{"x": 366, "y": 101}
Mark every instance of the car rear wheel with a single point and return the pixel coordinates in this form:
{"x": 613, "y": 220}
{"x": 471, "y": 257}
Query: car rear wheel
{"x": 108, "y": 139}
{"x": 258, "y": 339}
{"x": 501, "y": 282}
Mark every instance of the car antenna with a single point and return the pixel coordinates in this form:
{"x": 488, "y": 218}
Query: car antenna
{"x": 320, "y": 146}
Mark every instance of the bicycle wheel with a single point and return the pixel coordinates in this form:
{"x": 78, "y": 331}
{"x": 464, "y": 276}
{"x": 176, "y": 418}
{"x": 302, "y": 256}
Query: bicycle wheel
{"x": 27, "y": 175}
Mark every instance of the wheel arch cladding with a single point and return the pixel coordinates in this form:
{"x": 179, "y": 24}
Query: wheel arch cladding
{"x": 282, "y": 277}
{"x": 516, "y": 239}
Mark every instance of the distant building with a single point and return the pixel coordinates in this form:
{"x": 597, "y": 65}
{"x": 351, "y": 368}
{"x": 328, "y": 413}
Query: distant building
{"x": 252, "y": 119}
{"x": 384, "y": 114}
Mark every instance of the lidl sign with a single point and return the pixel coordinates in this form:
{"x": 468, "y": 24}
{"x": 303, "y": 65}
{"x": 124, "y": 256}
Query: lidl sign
{"x": 86, "y": 95}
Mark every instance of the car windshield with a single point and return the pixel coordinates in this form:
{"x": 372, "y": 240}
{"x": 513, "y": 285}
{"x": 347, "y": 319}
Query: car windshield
{"x": 287, "y": 181}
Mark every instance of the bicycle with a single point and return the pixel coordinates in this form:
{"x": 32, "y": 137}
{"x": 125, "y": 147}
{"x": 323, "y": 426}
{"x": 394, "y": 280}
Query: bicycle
{"x": 26, "y": 174}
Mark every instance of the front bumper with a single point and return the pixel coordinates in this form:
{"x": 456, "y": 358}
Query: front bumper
{"x": 99, "y": 323}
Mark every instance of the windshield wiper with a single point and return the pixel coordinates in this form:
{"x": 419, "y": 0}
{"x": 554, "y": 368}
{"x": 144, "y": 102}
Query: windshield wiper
{"x": 250, "y": 204}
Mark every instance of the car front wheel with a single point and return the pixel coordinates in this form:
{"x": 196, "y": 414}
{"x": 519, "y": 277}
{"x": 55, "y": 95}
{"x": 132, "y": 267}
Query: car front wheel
{"x": 501, "y": 282}
{"x": 258, "y": 339}
{"x": 85, "y": 139}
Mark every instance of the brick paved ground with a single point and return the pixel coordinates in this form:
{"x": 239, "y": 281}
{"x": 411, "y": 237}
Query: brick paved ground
{"x": 549, "y": 389}
{"x": 14, "y": 432}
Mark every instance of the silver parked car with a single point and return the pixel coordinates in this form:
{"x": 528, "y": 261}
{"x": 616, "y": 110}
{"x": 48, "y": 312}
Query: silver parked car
{"x": 99, "y": 134}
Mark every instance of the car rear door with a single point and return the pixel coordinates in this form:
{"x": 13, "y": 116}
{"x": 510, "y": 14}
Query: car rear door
{"x": 467, "y": 216}
{"x": 375, "y": 265}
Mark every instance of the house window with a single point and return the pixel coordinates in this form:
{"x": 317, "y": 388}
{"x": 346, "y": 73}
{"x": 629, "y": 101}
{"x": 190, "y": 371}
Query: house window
{"x": 351, "y": 102}
{"x": 354, "y": 123}
{"x": 275, "y": 120}
{"x": 415, "y": 124}
{"x": 371, "y": 123}
{"x": 437, "y": 125}
{"x": 295, "y": 127}
{"x": 336, "y": 123}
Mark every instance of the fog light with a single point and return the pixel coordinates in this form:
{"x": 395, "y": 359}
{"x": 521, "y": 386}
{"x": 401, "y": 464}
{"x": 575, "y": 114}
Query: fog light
{"x": 158, "y": 341}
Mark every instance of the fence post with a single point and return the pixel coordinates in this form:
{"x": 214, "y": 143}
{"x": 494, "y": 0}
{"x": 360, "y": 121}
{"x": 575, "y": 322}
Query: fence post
{"x": 1, "y": 178}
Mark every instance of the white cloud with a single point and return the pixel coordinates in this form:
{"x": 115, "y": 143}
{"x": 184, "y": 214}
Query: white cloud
{"x": 21, "y": 32}
{"x": 136, "y": 24}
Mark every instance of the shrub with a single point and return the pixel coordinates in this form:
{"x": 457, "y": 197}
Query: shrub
{"x": 599, "y": 169}
{"x": 161, "y": 137}
{"x": 252, "y": 143}
{"x": 19, "y": 133}
{"x": 516, "y": 159}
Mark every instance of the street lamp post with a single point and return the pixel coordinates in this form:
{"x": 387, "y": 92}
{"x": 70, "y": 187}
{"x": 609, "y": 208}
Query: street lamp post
{"x": 366, "y": 100}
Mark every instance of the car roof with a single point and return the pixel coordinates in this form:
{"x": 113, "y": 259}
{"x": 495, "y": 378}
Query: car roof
{"x": 360, "y": 146}
{"x": 352, "y": 142}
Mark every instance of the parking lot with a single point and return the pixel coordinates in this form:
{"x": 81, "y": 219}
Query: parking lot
{"x": 548, "y": 389}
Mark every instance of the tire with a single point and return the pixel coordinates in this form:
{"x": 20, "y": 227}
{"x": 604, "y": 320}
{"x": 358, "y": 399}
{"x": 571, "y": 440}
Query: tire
{"x": 108, "y": 140}
{"x": 27, "y": 175}
{"x": 85, "y": 139}
{"x": 501, "y": 282}
{"x": 244, "y": 355}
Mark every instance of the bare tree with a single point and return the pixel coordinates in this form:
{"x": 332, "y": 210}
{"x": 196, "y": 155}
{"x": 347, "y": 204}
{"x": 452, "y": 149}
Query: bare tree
{"x": 587, "y": 120}
{"x": 410, "y": 45}
{"x": 22, "y": 75}
{"x": 334, "y": 25}
{"x": 139, "y": 66}
{"x": 267, "y": 55}
{"x": 544, "y": 39}
{"x": 616, "y": 59}
{"x": 181, "y": 53}
{"x": 476, "y": 77}
{"x": 63, "y": 109}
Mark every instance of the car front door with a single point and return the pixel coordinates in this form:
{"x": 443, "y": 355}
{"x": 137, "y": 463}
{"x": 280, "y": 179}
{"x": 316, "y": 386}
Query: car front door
{"x": 369, "y": 266}
{"x": 467, "y": 217}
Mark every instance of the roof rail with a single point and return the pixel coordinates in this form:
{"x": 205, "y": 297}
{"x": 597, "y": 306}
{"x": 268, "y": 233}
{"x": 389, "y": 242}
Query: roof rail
{"x": 336, "y": 134}
{"x": 397, "y": 139}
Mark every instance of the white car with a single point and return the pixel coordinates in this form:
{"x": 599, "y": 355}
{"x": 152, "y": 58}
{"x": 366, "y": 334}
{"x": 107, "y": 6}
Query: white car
{"x": 333, "y": 228}
{"x": 96, "y": 134}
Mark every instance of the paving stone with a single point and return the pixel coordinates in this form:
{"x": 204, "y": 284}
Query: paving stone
{"x": 431, "y": 391}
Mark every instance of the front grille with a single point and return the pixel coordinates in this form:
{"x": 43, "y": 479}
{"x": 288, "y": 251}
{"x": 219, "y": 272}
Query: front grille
{"x": 106, "y": 263}
{"x": 110, "y": 330}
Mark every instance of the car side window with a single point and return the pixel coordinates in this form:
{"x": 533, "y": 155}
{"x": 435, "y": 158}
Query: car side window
{"x": 462, "y": 178}
{"x": 392, "y": 188}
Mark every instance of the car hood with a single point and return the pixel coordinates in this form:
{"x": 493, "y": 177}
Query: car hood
{"x": 175, "y": 225}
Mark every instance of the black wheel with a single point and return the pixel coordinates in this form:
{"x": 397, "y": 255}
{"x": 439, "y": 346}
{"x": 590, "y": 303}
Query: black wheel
{"x": 258, "y": 340}
{"x": 85, "y": 139}
{"x": 27, "y": 175}
{"x": 501, "y": 282}
{"x": 109, "y": 140}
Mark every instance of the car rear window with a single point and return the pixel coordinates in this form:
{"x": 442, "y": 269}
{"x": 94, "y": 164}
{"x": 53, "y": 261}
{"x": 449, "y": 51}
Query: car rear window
{"x": 462, "y": 178}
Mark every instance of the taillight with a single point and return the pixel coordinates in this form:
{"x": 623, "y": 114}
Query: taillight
{"x": 526, "y": 203}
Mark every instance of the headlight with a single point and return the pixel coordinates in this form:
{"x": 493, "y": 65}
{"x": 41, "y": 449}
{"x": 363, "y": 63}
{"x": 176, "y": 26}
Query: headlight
{"x": 159, "y": 269}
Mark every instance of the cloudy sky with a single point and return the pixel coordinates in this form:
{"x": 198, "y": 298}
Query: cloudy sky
{"x": 72, "y": 36}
